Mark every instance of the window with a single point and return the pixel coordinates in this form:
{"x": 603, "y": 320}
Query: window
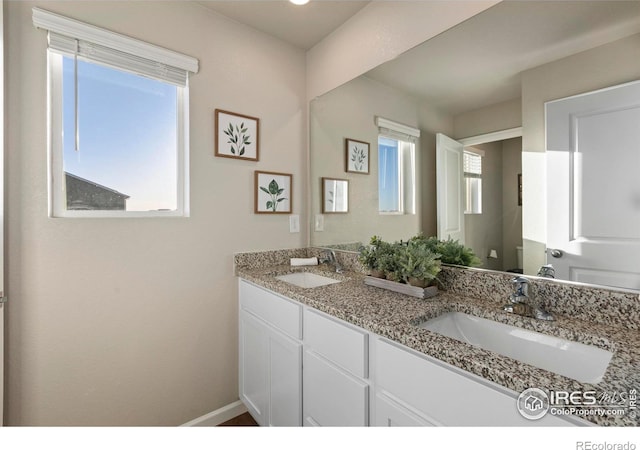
{"x": 389, "y": 199}
{"x": 472, "y": 166}
{"x": 118, "y": 123}
{"x": 396, "y": 167}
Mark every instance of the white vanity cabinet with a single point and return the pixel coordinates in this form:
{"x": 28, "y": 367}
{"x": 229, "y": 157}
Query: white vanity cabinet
{"x": 299, "y": 366}
{"x": 335, "y": 386}
{"x": 270, "y": 356}
{"x": 415, "y": 389}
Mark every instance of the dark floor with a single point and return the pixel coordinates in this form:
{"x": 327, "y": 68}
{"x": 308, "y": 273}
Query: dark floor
{"x": 243, "y": 420}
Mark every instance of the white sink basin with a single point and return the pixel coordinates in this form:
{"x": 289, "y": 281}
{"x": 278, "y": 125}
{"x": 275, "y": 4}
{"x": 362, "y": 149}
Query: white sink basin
{"x": 306, "y": 279}
{"x": 583, "y": 363}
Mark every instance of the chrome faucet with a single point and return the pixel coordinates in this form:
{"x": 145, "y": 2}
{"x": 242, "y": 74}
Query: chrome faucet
{"x": 329, "y": 257}
{"x": 547, "y": 271}
{"x": 519, "y": 302}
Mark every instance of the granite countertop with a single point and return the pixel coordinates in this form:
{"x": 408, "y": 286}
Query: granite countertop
{"x": 395, "y": 317}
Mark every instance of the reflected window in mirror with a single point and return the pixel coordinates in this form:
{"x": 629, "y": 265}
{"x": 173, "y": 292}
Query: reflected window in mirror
{"x": 472, "y": 163}
{"x": 396, "y": 176}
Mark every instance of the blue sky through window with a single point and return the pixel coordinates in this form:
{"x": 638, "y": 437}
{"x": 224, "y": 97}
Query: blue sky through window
{"x": 127, "y": 129}
{"x": 388, "y": 173}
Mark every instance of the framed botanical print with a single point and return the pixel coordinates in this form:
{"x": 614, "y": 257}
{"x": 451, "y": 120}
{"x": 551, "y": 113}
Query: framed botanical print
{"x": 237, "y": 135}
{"x": 335, "y": 195}
{"x": 356, "y": 156}
{"x": 273, "y": 193}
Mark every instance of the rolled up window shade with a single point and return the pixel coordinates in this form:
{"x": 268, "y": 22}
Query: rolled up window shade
{"x": 397, "y": 130}
{"x": 71, "y": 37}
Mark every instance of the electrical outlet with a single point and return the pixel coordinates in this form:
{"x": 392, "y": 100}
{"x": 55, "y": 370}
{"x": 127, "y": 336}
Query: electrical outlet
{"x": 319, "y": 222}
{"x": 294, "y": 223}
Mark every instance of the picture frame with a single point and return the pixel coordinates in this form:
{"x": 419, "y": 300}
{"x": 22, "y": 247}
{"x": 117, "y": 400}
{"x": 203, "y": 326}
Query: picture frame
{"x": 356, "y": 156}
{"x": 237, "y": 136}
{"x": 335, "y": 196}
{"x": 519, "y": 189}
{"x": 273, "y": 192}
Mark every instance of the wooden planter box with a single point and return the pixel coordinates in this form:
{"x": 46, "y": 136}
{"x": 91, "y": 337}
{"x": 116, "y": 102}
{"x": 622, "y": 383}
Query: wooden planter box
{"x": 401, "y": 288}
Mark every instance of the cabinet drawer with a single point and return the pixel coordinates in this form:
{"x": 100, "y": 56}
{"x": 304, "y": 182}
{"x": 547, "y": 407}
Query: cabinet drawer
{"x": 337, "y": 342}
{"x": 278, "y": 312}
{"x": 446, "y": 395}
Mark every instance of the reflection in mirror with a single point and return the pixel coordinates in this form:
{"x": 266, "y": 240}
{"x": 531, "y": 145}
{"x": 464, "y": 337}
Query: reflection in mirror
{"x": 335, "y": 196}
{"x": 493, "y": 72}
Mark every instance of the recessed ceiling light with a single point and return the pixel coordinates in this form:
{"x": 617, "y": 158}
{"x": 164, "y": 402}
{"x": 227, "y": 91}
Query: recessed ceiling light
{"x": 299, "y": 2}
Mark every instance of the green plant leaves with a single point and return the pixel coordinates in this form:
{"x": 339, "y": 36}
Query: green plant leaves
{"x": 420, "y": 257}
{"x": 238, "y": 139}
{"x": 273, "y": 187}
{"x": 274, "y": 191}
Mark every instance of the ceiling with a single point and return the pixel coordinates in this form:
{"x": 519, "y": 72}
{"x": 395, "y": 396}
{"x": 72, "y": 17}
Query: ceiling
{"x": 473, "y": 65}
{"x": 478, "y": 62}
{"x": 301, "y": 26}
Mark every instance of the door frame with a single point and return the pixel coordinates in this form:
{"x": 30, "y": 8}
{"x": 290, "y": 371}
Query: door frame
{"x": 2, "y": 218}
{"x": 485, "y": 138}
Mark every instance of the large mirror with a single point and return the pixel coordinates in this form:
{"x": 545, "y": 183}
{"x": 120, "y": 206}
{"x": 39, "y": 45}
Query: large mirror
{"x": 484, "y": 83}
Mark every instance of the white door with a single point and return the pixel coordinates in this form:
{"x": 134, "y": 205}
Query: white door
{"x": 450, "y": 188}
{"x": 593, "y": 186}
{"x": 1, "y": 213}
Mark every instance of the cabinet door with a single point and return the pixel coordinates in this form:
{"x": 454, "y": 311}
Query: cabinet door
{"x": 331, "y": 396}
{"x": 253, "y": 358}
{"x": 285, "y": 381}
{"x": 389, "y": 413}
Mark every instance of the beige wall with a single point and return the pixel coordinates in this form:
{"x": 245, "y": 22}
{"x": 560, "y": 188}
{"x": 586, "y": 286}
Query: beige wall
{"x": 511, "y": 211}
{"x": 378, "y": 33}
{"x": 134, "y": 321}
{"x": 607, "y": 65}
{"x": 349, "y": 112}
{"x": 498, "y": 117}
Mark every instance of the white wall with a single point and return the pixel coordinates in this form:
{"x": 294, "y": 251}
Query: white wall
{"x": 134, "y": 321}
{"x": 378, "y": 33}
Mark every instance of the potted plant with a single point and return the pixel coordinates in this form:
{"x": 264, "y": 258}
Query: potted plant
{"x": 389, "y": 262}
{"x": 451, "y": 251}
{"x": 418, "y": 265}
{"x": 375, "y": 256}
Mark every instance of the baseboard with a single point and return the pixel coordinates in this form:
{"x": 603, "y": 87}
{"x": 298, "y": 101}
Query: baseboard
{"x": 218, "y": 416}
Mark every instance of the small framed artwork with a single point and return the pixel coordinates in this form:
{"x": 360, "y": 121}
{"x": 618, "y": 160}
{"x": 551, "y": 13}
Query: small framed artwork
{"x": 273, "y": 193}
{"x": 335, "y": 195}
{"x": 237, "y": 135}
{"x": 356, "y": 156}
{"x": 519, "y": 189}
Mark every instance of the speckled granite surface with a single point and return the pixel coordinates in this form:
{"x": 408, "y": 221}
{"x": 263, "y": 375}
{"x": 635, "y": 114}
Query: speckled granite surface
{"x": 395, "y": 316}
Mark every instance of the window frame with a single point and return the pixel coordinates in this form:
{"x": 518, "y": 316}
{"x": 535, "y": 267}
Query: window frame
{"x": 473, "y": 191}
{"x": 406, "y": 156}
{"x": 57, "y": 181}
{"x": 103, "y": 47}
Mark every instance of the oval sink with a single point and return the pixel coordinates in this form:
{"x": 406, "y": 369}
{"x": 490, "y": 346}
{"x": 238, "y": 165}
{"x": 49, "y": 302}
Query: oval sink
{"x": 306, "y": 279}
{"x": 583, "y": 363}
